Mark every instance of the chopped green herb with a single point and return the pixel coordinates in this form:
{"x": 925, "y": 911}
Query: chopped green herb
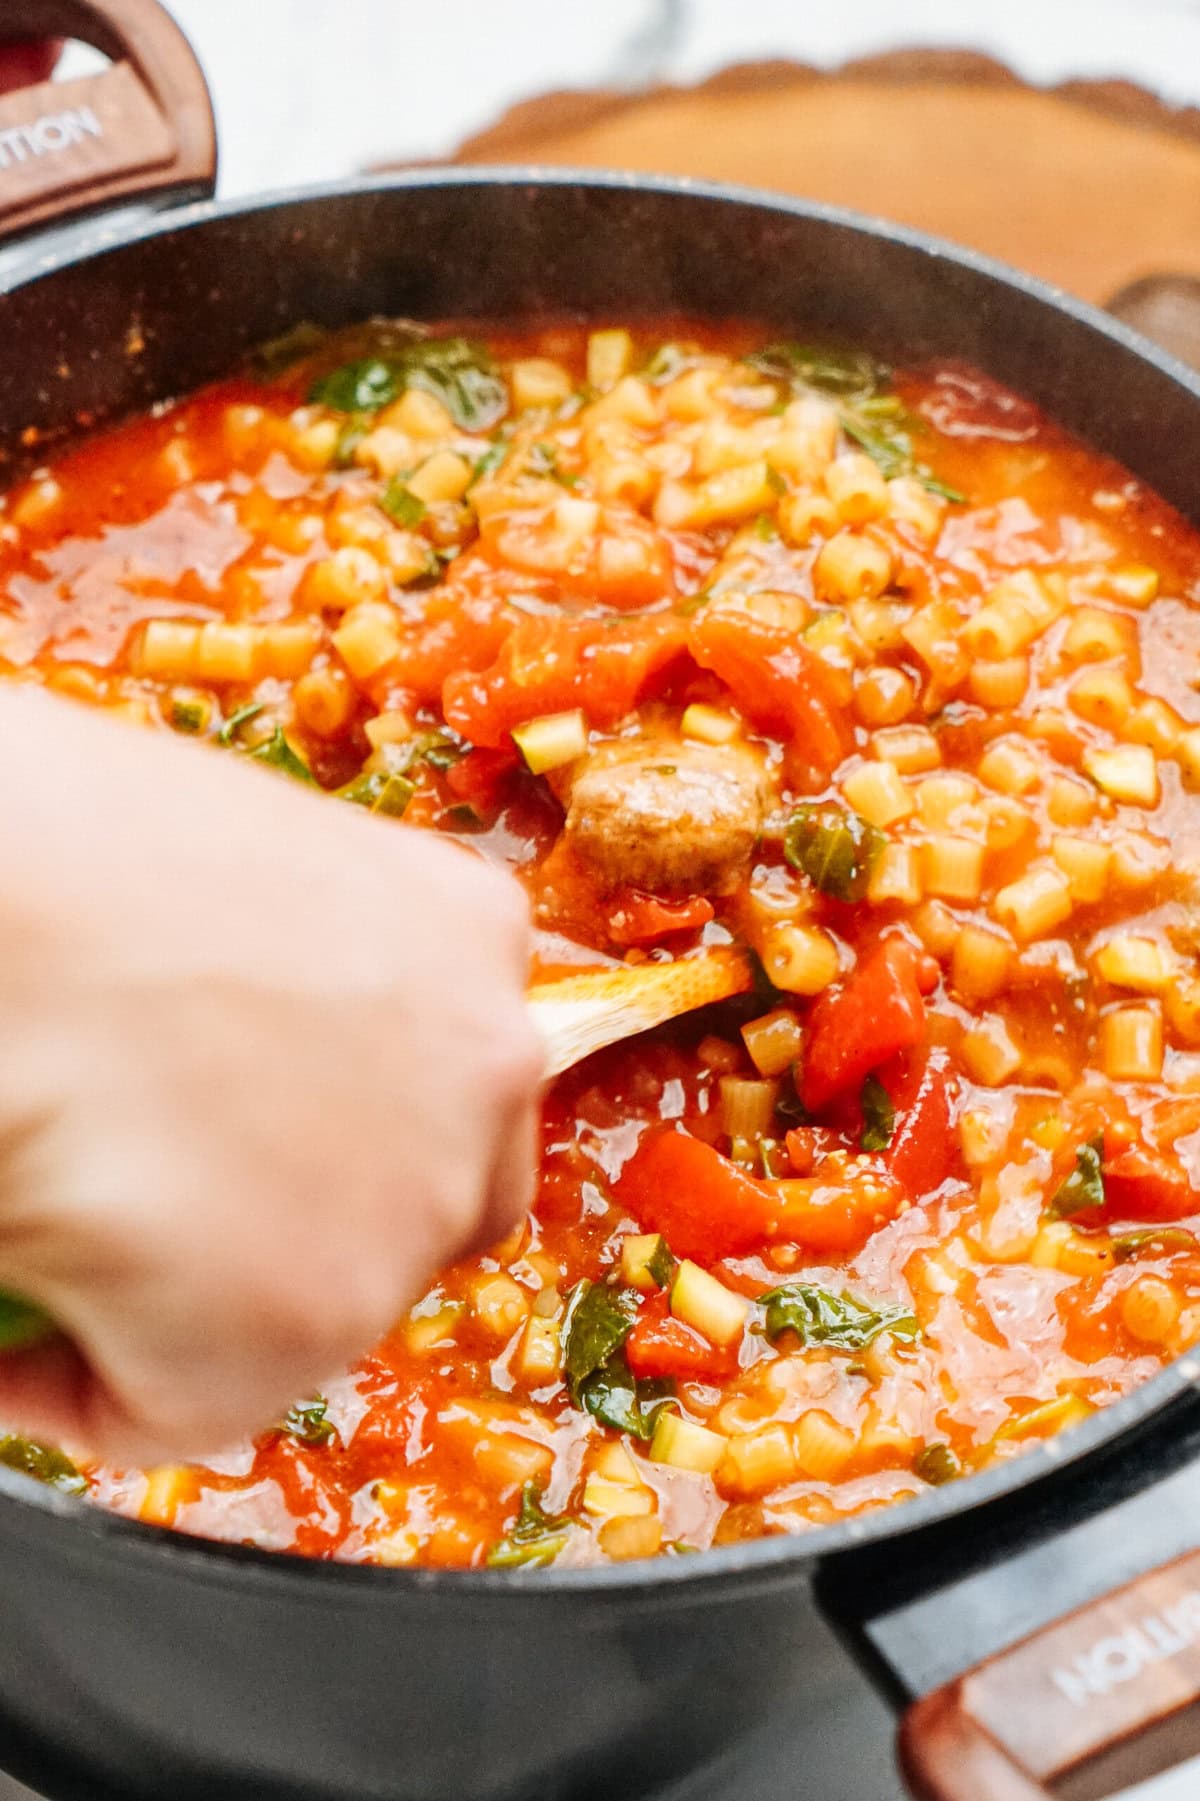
{"x": 817, "y": 1316}
{"x": 349, "y": 438}
{"x": 775, "y": 481}
{"x": 489, "y": 462}
{"x": 401, "y": 504}
{"x": 615, "y": 1397}
{"x": 1155, "y": 1241}
{"x": 455, "y": 371}
{"x": 277, "y": 753}
{"x": 668, "y": 361}
{"x": 661, "y": 1264}
{"x": 1084, "y": 1187}
{"x": 190, "y": 716}
{"x": 879, "y": 1116}
{"x": 598, "y": 1320}
{"x": 43, "y": 1463}
{"x": 535, "y": 1537}
{"x": 845, "y": 374}
{"x": 694, "y": 602}
{"x": 233, "y": 725}
{"x": 309, "y": 1422}
{"x": 765, "y": 528}
{"x": 890, "y": 451}
{"x": 942, "y": 489}
{"x": 385, "y": 791}
{"x": 870, "y": 416}
{"x": 278, "y": 354}
{"x": 834, "y": 848}
{"x": 543, "y": 460}
{"x": 937, "y": 1464}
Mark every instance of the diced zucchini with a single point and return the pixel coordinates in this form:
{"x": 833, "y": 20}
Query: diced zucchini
{"x": 1128, "y": 773}
{"x": 699, "y": 1300}
{"x": 686, "y": 1446}
{"x": 609, "y": 357}
{"x": 552, "y": 740}
{"x": 613, "y": 1500}
{"x": 646, "y": 1261}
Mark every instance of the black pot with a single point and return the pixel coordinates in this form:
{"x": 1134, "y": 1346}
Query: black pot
{"x": 137, "y": 1664}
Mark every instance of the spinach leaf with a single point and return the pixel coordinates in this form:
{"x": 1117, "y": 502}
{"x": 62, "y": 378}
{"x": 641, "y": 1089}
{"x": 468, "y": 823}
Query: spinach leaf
{"x": 308, "y": 1422}
{"x": 879, "y": 1116}
{"x": 818, "y": 1316}
{"x": 1084, "y": 1187}
{"x": 535, "y": 1537}
{"x": 871, "y": 416}
{"x": 598, "y": 1320}
{"x": 277, "y": 753}
{"x": 455, "y": 371}
{"x": 834, "y": 848}
{"x": 361, "y": 387}
{"x": 401, "y": 504}
{"x": 43, "y": 1463}
{"x": 614, "y": 1396}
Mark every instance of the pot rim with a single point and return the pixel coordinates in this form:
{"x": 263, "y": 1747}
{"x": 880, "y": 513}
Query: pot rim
{"x": 720, "y": 1565}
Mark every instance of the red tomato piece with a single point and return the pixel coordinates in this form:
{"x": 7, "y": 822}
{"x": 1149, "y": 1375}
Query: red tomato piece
{"x": 707, "y": 1208}
{"x": 923, "y": 1149}
{"x": 661, "y": 1345}
{"x": 836, "y": 1217}
{"x": 1142, "y": 1184}
{"x": 776, "y": 679}
{"x": 479, "y": 778}
{"x": 548, "y": 665}
{"x": 877, "y": 1012}
{"x": 637, "y": 918}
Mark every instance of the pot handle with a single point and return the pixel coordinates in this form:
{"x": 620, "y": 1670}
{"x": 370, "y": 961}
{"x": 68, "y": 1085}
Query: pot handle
{"x": 1014, "y": 1725}
{"x": 142, "y": 127}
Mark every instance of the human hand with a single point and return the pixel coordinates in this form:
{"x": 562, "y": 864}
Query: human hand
{"x": 265, "y": 1066}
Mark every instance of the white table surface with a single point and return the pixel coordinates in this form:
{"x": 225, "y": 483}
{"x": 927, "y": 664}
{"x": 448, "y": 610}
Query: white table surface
{"x": 307, "y": 90}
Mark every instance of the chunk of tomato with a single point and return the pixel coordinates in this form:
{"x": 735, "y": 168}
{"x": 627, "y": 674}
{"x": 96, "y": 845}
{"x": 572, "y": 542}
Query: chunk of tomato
{"x": 552, "y": 665}
{"x": 661, "y": 1345}
{"x": 854, "y": 1028}
{"x": 707, "y": 1208}
{"x": 777, "y": 680}
{"x": 922, "y": 1151}
{"x": 637, "y": 918}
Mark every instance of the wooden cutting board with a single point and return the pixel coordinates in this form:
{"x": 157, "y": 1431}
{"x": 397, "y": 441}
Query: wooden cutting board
{"x": 1092, "y": 185}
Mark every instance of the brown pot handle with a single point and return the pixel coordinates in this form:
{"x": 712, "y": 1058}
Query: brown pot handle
{"x": 1011, "y": 1727}
{"x": 142, "y": 127}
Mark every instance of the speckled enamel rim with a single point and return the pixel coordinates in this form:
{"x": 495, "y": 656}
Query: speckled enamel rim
{"x": 758, "y": 1561}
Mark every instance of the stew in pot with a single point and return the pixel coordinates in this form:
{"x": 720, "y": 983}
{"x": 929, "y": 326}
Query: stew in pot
{"x": 710, "y": 637}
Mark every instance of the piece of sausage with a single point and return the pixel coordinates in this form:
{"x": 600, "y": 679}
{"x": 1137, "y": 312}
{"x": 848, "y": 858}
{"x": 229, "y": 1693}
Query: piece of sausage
{"x": 663, "y": 816}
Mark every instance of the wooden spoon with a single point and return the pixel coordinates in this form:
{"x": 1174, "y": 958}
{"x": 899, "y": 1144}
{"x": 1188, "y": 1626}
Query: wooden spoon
{"x": 575, "y": 1016}
{"x": 580, "y": 1014}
